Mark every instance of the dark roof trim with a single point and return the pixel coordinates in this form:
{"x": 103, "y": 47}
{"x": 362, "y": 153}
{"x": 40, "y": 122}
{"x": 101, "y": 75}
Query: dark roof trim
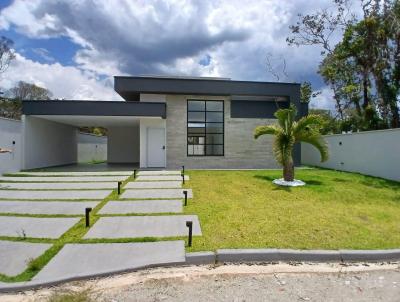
{"x": 94, "y": 108}
{"x": 131, "y": 87}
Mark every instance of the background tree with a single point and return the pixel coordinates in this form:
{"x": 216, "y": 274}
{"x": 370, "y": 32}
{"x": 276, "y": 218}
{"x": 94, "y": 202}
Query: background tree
{"x": 288, "y": 132}
{"x": 6, "y": 53}
{"x": 11, "y": 104}
{"x": 360, "y": 59}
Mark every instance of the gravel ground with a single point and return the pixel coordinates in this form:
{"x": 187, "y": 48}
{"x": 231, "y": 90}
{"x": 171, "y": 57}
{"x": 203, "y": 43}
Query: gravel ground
{"x": 273, "y": 282}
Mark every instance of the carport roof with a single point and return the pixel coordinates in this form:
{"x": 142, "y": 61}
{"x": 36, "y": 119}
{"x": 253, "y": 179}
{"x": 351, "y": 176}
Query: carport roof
{"x": 94, "y": 108}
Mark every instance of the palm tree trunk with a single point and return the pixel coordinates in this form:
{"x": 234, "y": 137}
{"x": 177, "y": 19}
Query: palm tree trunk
{"x": 288, "y": 171}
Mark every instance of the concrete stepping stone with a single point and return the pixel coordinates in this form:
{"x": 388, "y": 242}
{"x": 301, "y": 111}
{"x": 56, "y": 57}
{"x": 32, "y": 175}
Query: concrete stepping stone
{"x": 15, "y": 256}
{"x": 66, "y": 173}
{"x": 155, "y": 193}
{"x": 80, "y": 194}
{"x": 143, "y": 226}
{"x": 63, "y": 178}
{"x": 84, "y": 260}
{"x": 160, "y": 177}
{"x": 160, "y": 172}
{"x": 35, "y": 227}
{"x": 142, "y": 206}
{"x": 58, "y": 185}
{"x": 151, "y": 185}
{"x": 46, "y": 207}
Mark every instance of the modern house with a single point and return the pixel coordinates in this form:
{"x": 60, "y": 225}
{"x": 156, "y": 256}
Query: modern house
{"x": 164, "y": 122}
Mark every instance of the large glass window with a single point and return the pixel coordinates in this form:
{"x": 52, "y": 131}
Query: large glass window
{"x": 205, "y": 128}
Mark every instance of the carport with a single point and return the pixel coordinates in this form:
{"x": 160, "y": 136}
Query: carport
{"x": 49, "y": 135}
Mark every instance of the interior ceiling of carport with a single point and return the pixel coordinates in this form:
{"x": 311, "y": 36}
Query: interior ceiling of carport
{"x": 93, "y": 121}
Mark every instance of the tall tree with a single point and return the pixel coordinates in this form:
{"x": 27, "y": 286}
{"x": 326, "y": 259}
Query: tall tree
{"x": 10, "y": 105}
{"x": 6, "y": 53}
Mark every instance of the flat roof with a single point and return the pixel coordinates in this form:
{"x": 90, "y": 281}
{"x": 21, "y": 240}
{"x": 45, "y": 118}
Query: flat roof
{"x": 130, "y": 87}
{"x": 94, "y": 108}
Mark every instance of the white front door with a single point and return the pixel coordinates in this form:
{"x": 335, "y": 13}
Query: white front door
{"x": 155, "y": 147}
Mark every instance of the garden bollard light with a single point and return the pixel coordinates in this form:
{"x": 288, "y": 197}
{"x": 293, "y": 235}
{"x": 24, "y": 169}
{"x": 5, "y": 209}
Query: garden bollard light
{"x": 185, "y": 193}
{"x": 87, "y": 212}
{"x": 119, "y": 187}
{"x": 183, "y": 178}
{"x": 183, "y": 170}
{"x": 134, "y": 173}
{"x": 189, "y": 224}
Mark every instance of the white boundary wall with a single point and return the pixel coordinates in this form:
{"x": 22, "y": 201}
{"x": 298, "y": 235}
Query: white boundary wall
{"x": 91, "y": 147}
{"x": 375, "y": 153}
{"x": 10, "y": 138}
{"x": 47, "y": 143}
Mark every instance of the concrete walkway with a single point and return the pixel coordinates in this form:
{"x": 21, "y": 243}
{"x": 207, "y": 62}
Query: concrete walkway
{"x": 98, "y": 173}
{"x": 46, "y": 207}
{"x": 160, "y": 177}
{"x": 45, "y": 195}
{"x": 35, "y": 227}
{"x": 58, "y": 185}
{"x": 160, "y": 193}
{"x": 63, "y": 178}
{"x": 152, "y": 185}
{"x": 15, "y": 256}
{"x": 80, "y": 260}
{"x": 143, "y": 226}
{"x": 155, "y": 193}
{"x": 142, "y": 207}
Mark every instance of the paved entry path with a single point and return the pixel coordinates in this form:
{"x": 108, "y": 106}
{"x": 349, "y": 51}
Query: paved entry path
{"x": 150, "y": 206}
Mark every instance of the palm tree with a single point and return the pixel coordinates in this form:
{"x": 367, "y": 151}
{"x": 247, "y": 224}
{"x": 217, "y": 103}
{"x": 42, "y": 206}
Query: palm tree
{"x": 288, "y": 132}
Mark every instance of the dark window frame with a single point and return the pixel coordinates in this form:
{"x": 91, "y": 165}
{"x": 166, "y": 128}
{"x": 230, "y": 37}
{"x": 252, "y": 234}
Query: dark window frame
{"x": 204, "y": 134}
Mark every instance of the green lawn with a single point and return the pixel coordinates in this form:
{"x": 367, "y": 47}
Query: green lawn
{"x": 243, "y": 209}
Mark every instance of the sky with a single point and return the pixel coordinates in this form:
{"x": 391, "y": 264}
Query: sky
{"x": 75, "y": 47}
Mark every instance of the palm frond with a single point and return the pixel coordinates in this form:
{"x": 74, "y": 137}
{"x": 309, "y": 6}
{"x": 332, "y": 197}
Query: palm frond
{"x": 286, "y": 117}
{"x": 262, "y": 130}
{"x": 317, "y": 140}
{"x": 305, "y": 122}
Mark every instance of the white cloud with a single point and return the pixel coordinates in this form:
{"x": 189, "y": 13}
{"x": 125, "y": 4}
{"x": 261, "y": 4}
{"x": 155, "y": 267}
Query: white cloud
{"x": 171, "y": 37}
{"x": 66, "y": 82}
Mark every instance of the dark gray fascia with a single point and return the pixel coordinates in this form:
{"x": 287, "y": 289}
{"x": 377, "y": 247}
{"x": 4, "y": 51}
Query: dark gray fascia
{"x": 130, "y": 87}
{"x": 94, "y": 108}
{"x": 256, "y": 109}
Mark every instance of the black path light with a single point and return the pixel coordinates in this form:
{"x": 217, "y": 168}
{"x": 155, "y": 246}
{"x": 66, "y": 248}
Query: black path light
{"x": 185, "y": 192}
{"x": 87, "y": 212}
{"x": 183, "y": 170}
{"x": 189, "y": 224}
{"x": 134, "y": 173}
{"x": 183, "y": 178}
{"x": 119, "y": 187}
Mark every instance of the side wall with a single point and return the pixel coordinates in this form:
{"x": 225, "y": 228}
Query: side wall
{"x": 375, "y": 153}
{"x": 123, "y": 145}
{"x": 91, "y": 147}
{"x": 47, "y": 143}
{"x": 10, "y": 138}
{"x": 242, "y": 151}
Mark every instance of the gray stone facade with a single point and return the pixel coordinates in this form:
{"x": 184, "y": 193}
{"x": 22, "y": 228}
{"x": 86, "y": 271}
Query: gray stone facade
{"x": 242, "y": 151}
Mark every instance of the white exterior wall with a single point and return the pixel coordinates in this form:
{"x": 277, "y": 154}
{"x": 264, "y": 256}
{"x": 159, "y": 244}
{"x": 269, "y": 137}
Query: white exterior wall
{"x": 123, "y": 144}
{"x": 144, "y": 124}
{"x": 375, "y": 153}
{"x": 47, "y": 143}
{"x": 91, "y": 147}
{"x": 10, "y": 138}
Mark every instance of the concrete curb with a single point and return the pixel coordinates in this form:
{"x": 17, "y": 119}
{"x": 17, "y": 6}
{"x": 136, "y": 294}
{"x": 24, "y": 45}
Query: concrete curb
{"x": 234, "y": 256}
{"x": 200, "y": 258}
{"x": 287, "y": 255}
